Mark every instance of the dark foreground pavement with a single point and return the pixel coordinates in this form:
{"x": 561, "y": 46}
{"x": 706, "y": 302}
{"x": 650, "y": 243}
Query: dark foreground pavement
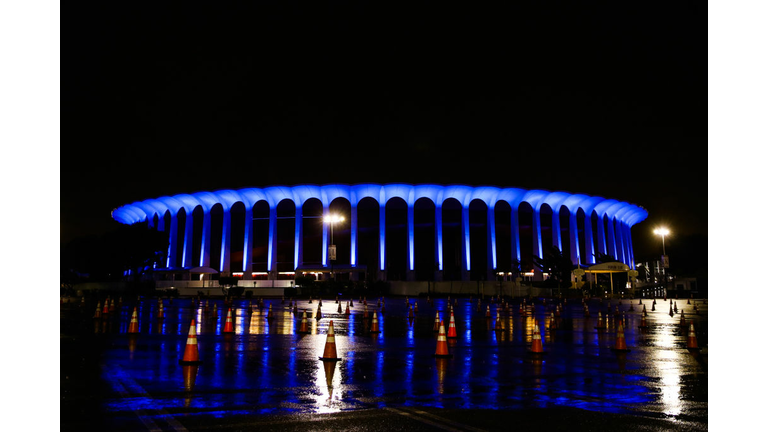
{"x": 267, "y": 377}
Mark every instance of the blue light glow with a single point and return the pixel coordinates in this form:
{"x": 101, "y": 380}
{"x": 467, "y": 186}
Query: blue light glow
{"x": 616, "y": 243}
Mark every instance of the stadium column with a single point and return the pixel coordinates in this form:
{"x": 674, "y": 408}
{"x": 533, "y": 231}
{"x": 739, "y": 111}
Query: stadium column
{"x": 382, "y": 242}
{"x": 611, "y": 240}
{"x": 226, "y": 222}
{"x": 630, "y": 250}
{"x": 298, "y": 249}
{"x": 573, "y": 235}
{"x": 205, "y": 249}
{"x": 491, "y": 264}
{"x": 248, "y": 243}
{"x": 589, "y": 245}
{"x": 619, "y": 243}
{"x": 515, "y": 233}
{"x": 326, "y": 208}
{"x": 173, "y": 239}
{"x": 161, "y": 227}
{"x": 186, "y": 255}
{"x": 272, "y": 247}
{"x": 466, "y": 265}
{"x": 536, "y": 232}
{"x": 410, "y": 273}
{"x": 438, "y": 242}
{"x": 353, "y": 240}
{"x": 601, "y": 235}
{"x": 556, "y": 234}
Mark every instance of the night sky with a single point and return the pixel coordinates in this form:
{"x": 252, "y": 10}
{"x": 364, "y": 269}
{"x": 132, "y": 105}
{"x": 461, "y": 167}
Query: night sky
{"x": 606, "y": 100}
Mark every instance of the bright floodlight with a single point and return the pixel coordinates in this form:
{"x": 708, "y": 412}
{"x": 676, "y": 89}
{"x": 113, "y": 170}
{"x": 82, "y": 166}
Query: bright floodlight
{"x": 333, "y": 219}
{"x": 661, "y": 231}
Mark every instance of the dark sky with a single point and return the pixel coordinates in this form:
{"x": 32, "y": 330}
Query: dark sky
{"x": 604, "y": 100}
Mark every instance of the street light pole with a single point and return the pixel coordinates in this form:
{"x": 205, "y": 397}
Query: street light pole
{"x": 332, "y": 219}
{"x": 663, "y": 232}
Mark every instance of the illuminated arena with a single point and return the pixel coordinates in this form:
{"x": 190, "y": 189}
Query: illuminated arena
{"x": 395, "y": 232}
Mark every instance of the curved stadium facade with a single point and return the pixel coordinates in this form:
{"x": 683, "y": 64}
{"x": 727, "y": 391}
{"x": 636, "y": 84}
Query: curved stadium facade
{"x": 390, "y": 231}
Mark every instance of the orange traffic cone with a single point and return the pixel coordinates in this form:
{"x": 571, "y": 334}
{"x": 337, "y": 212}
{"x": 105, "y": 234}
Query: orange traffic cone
{"x": 645, "y": 312}
{"x": 643, "y": 324}
{"x": 351, "y": 303}
{"x": 599, "y": 325}
{"x": 682, "y": 318}
{"x": 375, "y": 324}
{"x": 416, "y": 307}
{"x": 621, "y": 344}
{"x": 365, "y": 311}
{"x": 339, "y": 309}
{"x": 436, "y": 327}
{"x": 105, "y": 310}
{"x": 320, "y": 301}
{"x": 452, "y": 328}
{"x": 319, "y": 313}
{"x": 97, "y": 314}
{"x": 670, "y": 310}
{"x": 693, "y": 344}
{"x": 346, "y": 311}
{"x": 442, "y": 343}
{"x": 269, "y": 312}
{"x": 160, "y": 314}
{"x": 586, "y": 311}
{"x": 498, "y": 321}
{"x": 112, "y": 307}
{"x": 488, "y": 311}
{"x": 228, "y": 327}
{"x": 653, "y": 306}
{"x": 304, "y": 327}
{"x": 191, "y": 354}
{"x": 536, "y": 347}
{"x": 410, "y": 311}
{"x": 329, "y": 354}
{"x": 133, "y": 327}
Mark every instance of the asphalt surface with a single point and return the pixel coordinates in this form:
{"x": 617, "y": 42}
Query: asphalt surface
{"x": 267, "y": 376}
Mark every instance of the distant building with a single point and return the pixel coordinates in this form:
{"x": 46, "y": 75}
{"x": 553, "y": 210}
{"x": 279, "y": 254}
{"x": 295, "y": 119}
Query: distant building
{"x": 389, "y": 232}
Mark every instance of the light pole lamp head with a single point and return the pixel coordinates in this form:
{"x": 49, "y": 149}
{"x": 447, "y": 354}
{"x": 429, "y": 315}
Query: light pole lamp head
{"x": 662, "y": 231}
{"x": 333, "y": 219}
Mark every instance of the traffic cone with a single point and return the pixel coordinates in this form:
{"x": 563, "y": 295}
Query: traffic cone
{"x": 351, "y": 303}
{"x": 645, "y": 312}
{"x": 436, "y": 327}
{"x": 682, "y": 318}
{"x": 133, "y": 327}
{"x": 670, "y": 310}
{"x": 191, "y": 355}
{"x": 329, "y": 354}
{"x": 643, "y": 324}
{"x": 319, "y": 313}
{"x": 639, "y": 302}
{"x": 416, "y": 307}
{"x": 498, "y": 321}
{"x": 97, "y": 314}
{"x": 689, "y": 300}
{"x": 653, "y": 306}
{"x": 675, "y": 307}
{"x": 105, "y": 310}
{"x": 552, "y": 324}
{"x": 693, "y": 345}
{"x": 269, "y": 312}
{"x": 442, "y": 343}
{"x": 304, "y": 328}
{"x": 452, "y": 328}
{"x": 621, "y": 344}
{"x": 586, "y": 311}
{"x": 339, "y": 309}
{"x": 346, "y": 311}
{"x": 488, "y": 311}
{"x": 112, "y": 307}
{"x": 410, "y": 311}
{"x": 375, "y": 324}
{"x": 160, "y": 314}
{"x": 536, "y": 347}
{"x": 337, "y": 299}
{"x": 599, "y": 320}
{"x": 320, "y": 302}
{"x": 228, "y": 327}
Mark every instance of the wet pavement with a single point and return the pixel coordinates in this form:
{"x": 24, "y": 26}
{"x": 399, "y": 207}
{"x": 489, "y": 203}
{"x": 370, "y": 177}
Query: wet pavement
{"x": 266, "y": 375}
